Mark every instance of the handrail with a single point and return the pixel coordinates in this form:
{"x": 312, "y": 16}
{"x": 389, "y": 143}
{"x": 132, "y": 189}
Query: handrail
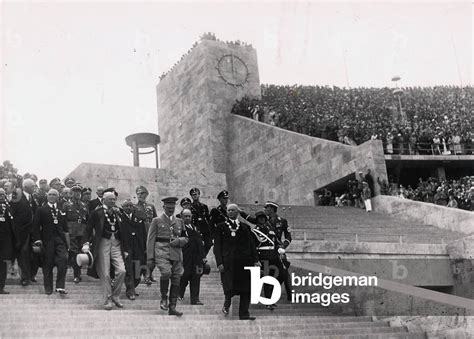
{"x": 429, "y": 149}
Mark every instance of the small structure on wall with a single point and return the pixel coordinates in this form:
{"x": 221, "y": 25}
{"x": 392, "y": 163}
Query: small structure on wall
{"x": 143, "y": 140}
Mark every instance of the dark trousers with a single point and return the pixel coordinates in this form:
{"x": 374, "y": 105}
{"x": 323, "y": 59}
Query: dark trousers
{"x": 76, "y": 246}
{"x": 243, "y": 305}
{"x": 207, "y": 242}
{"x": 194, "y": 285}
{"x": 55, "y": 255}
{"x": 134, "y": 271}
{"x": 23, "y": 256}
{"x": 4, "y": 264}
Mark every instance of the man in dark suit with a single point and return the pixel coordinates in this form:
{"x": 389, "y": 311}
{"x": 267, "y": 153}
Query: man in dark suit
{"x": 6, "y": 239}
{"x": 23, "y": 208}
{"x": 109, "y": 247}
{"x": 50, "y": 232}
{"x": 234, "y": 248}
{"x": 97, "y": 201}
{"x": 193, "y": 259}
{"x": 136, "y": 234}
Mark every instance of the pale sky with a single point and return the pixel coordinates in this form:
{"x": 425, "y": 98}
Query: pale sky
{"x": 78, "y": 77}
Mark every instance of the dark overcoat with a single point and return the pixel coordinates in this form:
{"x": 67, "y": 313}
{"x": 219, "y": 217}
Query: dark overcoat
{"x": 235, "y": 253}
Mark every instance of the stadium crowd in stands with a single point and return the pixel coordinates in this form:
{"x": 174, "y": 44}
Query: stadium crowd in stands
{"x": 432, "y": 120}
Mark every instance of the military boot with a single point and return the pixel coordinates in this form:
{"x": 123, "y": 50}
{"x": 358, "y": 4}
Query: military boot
{"x": 164, "y": 284}
{"x": 174, "y": 291}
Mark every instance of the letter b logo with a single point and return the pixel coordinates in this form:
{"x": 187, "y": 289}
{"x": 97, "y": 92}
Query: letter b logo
{"x": 256, "y": 284}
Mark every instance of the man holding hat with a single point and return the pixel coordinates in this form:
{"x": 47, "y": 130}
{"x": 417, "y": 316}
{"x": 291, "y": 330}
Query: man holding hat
{"x": 135, "y": 232}
{"x": 166, "y": 237}
{"x": 77, "y": 213}
{"x": 281, "y": 228}
{"x": 201, "y": 218}
{"x": 109, "y": 247}
{"x": 146, "y": 212}
{"x": 50, "y": 231}
{"x": 219, "y": 213}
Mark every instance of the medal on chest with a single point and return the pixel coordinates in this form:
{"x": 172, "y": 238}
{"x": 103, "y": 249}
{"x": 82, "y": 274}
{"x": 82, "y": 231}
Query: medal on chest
{"x": 233, "y": 231}
{"x": 111, "y": 222}
{"x": 55, "y": 216}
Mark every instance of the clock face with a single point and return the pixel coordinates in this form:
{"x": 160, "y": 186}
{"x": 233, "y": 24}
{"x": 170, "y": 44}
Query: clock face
{"x": 233, "y": 70}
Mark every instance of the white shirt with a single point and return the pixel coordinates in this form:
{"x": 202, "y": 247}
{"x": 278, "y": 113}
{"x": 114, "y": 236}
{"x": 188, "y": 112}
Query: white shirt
{"x": 52, "y": 205}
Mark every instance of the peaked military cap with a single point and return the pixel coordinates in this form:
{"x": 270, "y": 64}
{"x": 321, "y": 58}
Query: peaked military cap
{"x": 54, "y": 181}
{"x": 77, "y": 188}
{"x": 86, "y": 189}
{"x": 43, "y": 181}
{"x": 170, "y": 200}
{"x": 223, "y": 194}
{"x": 69, "y": 181}
{"x": 194, "y": 190}
{"x": 141, "y": 189}
{"x": 260, "y": 214}
{"x": 271, "y": 203}
{"x": 184, "y": 201}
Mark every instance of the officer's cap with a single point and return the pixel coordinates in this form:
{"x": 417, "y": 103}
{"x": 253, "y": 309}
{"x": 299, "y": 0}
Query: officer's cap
{"x": 86, "y": 189}
{"x": 141, "y": 189}
{"x": 170, "y": 200}
{"x": 127, "y": 202}
{"x": 260, "y": 214}
{"x": 112, "y": 190}
{"x": 43, "y": 181}
{"x": 69, "y": 181}
{"x": 54, "y": 181}
{"x": 184, "y": 201}
{"x": 271, "y": 203}
{"x": 223, "y": 194}
{"x": 76, "y": 188}
{"x": 194, "y": 190}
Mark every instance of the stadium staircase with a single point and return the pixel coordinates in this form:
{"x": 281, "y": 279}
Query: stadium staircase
{"x": 28, "y": 313}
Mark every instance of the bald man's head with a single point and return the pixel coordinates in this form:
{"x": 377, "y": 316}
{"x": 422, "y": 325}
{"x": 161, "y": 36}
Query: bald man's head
{"x": 53, "y": 196}
{"x": 109, "y": 199}
{"x": 29, "y": 186}
{"x": 187, "y": 216}
{"x": 232, "y": 211}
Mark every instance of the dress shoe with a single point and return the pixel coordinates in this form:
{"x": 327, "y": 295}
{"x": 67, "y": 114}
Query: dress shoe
{"x": 247, "y": 318}
{"x": 61, "y": 291}
{"x": 2, "y": 291}
{"x": 131, "y": 296}
{"x": 225, "y": 310}
{"x": 25, "y": 282}
{"x": 152, "y": 279}
{"x": 117, "y": 302}
{"x": 180, "y": 298}
{"x": 48, "y": 292}
{"x": 77, "y": 280}
{"x": 197, "y": 303}
{"x": 164, "y": 304}
{"x": 174, "y": 311}
{"x": 270, "y": 307}
{"x": 147, "y": 281}
{"x": 33, "y": 279}
{"x": 108, "y": 305}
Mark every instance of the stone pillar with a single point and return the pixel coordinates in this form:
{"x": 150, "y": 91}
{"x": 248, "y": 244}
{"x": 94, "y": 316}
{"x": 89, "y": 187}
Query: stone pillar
{"x": 136, "y": 155}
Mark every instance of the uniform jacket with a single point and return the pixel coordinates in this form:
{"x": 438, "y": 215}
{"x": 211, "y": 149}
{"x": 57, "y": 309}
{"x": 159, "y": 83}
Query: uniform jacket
{"x": 280, "y": 226}
{"x": 201, "y": 217}
{"x": 6, "y": 233}
{"x": 93, "y": 233}
{"x": 193, "y": 251}
{"x": 218, "y": 215}
{"x": 163, "y": 227}
{"x": 77, "y": 213}
{"x": 93, "y": 204}
{"x": 45, "y": 229}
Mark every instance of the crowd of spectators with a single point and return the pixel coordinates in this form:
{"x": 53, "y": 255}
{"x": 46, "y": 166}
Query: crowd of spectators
{"x": 417, "y": 120}
{"x": 451, "y": 193}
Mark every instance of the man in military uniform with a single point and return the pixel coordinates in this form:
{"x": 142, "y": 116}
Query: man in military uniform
{"x": 281, "y": 228}
{"x": 146, "y": 212}
{"x": 269, "y": 251}
{"x": 69, "y": 182}
{"x": 6, "y": 239}
{"x": 134, "y": 229}
{"x": 201, "y": 218}
{"x": 185, "y": 205}
{"x": 219, "y": 214}
{"x": 234, "y": 248}
{"x": 86, "y": 196}
{"x": 42, "y": 193}
{"x": 65, "y": 197}
{"x": 77, "y": 213}
{"x": 165, "y": 239}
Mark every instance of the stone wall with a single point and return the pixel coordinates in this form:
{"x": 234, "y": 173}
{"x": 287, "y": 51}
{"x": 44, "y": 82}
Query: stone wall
{"x": 160, "y": 182}
{"x": 430, "y": 214}
{"x": 194, "y": 104}
{"x": 267, "y": 162}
